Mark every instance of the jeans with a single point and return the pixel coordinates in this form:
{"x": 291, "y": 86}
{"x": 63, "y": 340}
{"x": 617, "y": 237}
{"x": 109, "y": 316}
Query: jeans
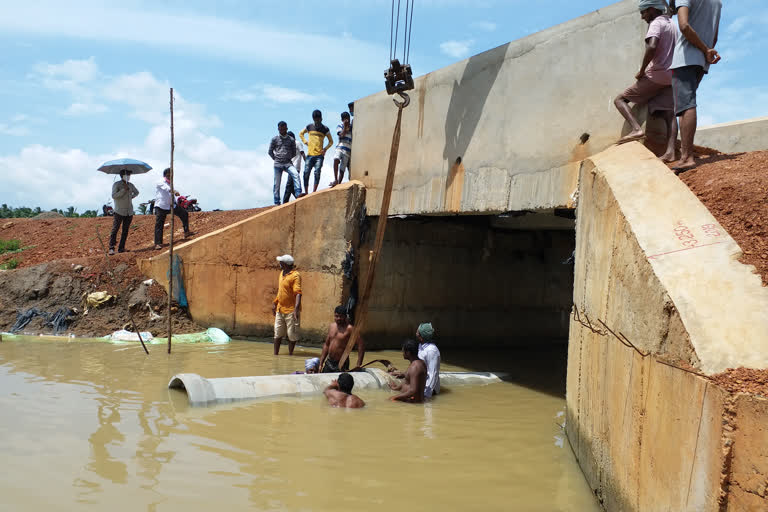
{"x": 160, "y": 215}
{"x": 293, "y": 176}
{"x": 315, "y": 162}
{"x": 125, "y": 220}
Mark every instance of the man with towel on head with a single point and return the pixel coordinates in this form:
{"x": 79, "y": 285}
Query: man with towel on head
{"x": 653, "y": 83}
{"x": 430, "y": 354}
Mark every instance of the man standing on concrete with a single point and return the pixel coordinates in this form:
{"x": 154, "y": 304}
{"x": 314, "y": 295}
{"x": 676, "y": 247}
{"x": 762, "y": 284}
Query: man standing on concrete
{"x": 123, "y": 192}
{"x": 415, "y": 378}
{"x": 297, "y": 160}
{"x": 699, "y": 22}
{"x": 282, "y": 149}
{"x": 317, "y": 133}
{"x": 343, "y": 149}
{"x": 653, "y": 81}
{"x": 163, "y": 205}
{"x": 287, "y": 304}
{"x": 336, "y": 341}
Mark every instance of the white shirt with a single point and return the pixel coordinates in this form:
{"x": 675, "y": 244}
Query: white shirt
{"x": 297, "y": 159}
{"x": 163, "y": 195}
{"x": 429, "y": 353}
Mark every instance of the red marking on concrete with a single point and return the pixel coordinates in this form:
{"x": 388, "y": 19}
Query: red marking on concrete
{"x": 686, "y": 249}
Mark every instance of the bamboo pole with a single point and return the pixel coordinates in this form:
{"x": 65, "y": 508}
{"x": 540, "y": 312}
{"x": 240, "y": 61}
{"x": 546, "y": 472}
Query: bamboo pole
{"x": 170, "y": 251}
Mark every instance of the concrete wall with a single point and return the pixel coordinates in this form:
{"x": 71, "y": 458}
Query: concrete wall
{"x": 513, "y": 115}
{"x": 231, "y": 275}
{"x": 736, "y": 137}
{"x": 477, "y": 282}
{"x": 654, "y": 265}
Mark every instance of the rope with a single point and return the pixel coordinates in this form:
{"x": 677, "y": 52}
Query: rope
{"x": 362, "y": 310}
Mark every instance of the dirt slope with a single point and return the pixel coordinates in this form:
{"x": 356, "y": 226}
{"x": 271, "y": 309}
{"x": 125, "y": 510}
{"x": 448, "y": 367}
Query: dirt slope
{"x": 63, "y": 259}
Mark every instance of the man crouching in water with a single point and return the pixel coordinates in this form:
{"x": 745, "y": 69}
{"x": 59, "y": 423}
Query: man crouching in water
{"x": 339, "y": 393}
{"x": 336, "y": 341}
{"x": 412, "y": 387}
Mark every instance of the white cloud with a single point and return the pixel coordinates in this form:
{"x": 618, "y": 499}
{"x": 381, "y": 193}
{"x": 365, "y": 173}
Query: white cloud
{"x": 14, "y": 131}
{"x": 84, "y": 109}
{"x": 456, "y": 49}
{"x": 486, "y": 26}
{"x": 232, "y": 39}
{"x": 217, "y": 175}
{"x": 69, "y": 75}
{"x": 268, "y": 93}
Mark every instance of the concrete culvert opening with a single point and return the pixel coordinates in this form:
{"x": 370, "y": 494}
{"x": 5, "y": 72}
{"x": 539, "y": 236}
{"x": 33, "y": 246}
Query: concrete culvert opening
{"x": 498, "y": 289}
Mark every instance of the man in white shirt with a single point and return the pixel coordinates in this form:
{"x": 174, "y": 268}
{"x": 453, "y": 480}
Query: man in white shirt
{"x": 430, "y": 354}
{"x": 163, "y": 205}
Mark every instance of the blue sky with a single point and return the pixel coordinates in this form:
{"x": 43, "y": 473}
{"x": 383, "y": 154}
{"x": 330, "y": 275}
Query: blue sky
{"x": 82, "y": 82}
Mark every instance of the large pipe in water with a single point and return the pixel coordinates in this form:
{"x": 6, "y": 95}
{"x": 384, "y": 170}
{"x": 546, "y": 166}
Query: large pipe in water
{"x": 201, "y": 391}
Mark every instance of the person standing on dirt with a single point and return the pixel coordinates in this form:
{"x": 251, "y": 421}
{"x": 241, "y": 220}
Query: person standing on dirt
{"x": 653, "y": 85}
{"x": 317, "y": 133}
{"x": 287, "y": 304}
{"x": 163, "y": 205}
{"x": 123, "y": 192}
{"x": 343, "y": 149}
{"x": 699, "y": 22}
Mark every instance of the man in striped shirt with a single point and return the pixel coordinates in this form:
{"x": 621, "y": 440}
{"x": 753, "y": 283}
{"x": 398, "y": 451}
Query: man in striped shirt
{"x": 343, "y": 149}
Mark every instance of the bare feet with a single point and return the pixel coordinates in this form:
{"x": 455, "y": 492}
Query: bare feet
{"x": 631, "y": 136}
{"x": 667, "y": 157}
{"x": 684, "y": 165}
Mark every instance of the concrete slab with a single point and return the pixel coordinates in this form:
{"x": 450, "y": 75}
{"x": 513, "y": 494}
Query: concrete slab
{"x": 735, "y": 137}
{"x": 231, "y": 275}
{"x": 504, "y": 130}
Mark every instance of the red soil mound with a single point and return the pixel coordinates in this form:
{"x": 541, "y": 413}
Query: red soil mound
{"x": 735, "y": 189}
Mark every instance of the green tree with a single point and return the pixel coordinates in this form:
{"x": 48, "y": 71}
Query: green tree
{"x": 143, "y": 209}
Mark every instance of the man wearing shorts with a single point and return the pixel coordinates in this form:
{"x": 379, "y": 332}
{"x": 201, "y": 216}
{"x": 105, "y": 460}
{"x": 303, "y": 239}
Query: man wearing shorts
{"x": 287, "y": 304}
{"x": 336, "y": 341}
{"x": 699, "y": 22}
{"x": 653, "y": 81}
{"x": 343, "y": 149}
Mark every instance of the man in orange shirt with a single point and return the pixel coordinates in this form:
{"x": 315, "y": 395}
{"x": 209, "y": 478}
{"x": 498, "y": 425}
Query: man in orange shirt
{"x": 287, "y": 304}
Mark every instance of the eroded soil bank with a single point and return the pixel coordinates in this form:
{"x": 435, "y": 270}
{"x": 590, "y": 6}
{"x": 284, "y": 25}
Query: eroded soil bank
{"x": 63, "y": 259}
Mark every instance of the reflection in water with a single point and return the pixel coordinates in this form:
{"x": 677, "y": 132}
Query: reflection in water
{"x": 98, "y": 425}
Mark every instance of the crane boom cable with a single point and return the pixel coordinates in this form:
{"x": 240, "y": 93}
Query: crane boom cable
{"x": 410, "y": 29}
{"x": 397, "y": 25}
{"x": 391, "y": 26}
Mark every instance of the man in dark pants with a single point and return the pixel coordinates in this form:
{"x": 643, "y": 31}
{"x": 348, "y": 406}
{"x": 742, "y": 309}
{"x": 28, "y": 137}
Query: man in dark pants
{"x": 163, "y": 205}
{"x": 123, "y": 192}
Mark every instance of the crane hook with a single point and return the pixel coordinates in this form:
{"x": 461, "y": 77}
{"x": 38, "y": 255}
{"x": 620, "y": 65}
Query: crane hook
{"x": 406, "y": 100}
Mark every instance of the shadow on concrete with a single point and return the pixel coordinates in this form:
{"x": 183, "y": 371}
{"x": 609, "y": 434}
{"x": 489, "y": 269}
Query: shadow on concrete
{"x": 468, "y": 100}
{"x": 540, "y": 369}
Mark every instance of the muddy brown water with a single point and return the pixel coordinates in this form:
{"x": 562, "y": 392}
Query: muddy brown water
{"x": 92, "y": 426}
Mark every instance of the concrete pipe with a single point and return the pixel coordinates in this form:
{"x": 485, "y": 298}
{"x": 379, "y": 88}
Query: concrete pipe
{"x": 201, "y": 391}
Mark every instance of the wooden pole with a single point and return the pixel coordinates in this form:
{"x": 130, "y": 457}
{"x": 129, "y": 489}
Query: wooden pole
{"x": 170, "y": 251}
{"x": 362, "y": 308}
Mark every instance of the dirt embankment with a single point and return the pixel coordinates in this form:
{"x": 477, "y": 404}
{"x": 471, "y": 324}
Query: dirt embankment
{"x": 735, "y": 189}
{"x": 64, "y": 259}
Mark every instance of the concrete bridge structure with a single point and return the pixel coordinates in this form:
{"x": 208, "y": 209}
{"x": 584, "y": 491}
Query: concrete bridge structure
{"x": 498, "y": 154}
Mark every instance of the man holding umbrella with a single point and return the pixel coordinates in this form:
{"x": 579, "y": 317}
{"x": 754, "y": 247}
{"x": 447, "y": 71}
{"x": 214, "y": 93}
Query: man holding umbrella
{"x": 123, "y": 192}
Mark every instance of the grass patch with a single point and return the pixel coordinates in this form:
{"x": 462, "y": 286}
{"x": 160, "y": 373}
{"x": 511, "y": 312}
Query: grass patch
{"x": 12, "y": 245}
{"x": 10, "y": 264}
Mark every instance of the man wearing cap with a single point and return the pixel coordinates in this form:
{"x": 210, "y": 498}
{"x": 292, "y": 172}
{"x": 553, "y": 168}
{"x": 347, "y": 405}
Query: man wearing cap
{"x": 653, "y": 82}
{"x": 430, "y": 354}
{"x": 287, "y": 304}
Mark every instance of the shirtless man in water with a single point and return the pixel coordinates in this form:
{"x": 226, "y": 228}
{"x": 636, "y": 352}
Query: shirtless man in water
{"x": 412, "y": 387}
{"x": 339, "y": 393}
{"x": 336, "y": 341}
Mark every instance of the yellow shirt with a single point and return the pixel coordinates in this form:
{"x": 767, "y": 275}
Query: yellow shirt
{"x": 317, "y": 133}
{"x": 288, "y": 287}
